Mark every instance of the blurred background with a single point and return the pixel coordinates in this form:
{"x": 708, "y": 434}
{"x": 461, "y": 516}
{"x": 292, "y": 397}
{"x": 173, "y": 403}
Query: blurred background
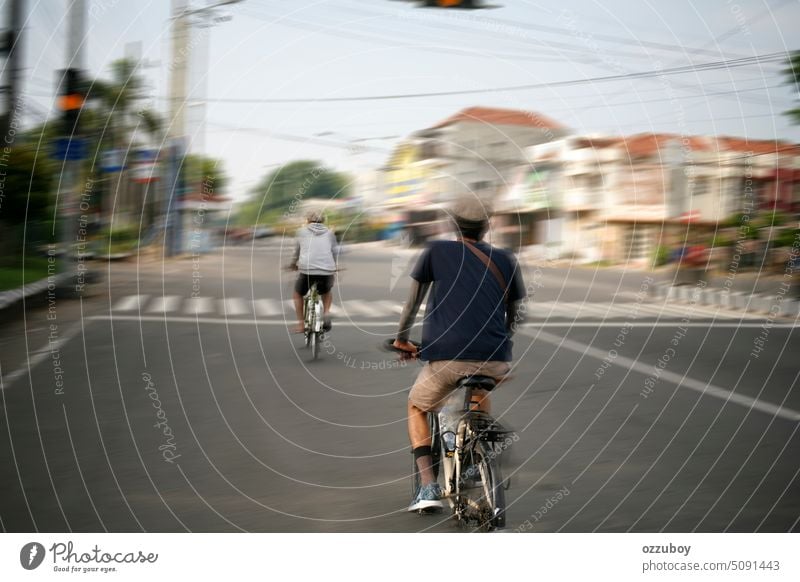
{"x": 157, "y": 158}
{"x": 596, "y": 140}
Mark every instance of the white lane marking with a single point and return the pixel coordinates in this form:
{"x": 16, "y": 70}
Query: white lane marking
{"x": 529, "y": 325}
{"x": 266, "y": 307}
{"x": 47, "y": 351}
{"x": 165, "y": 303}
{"x": 358, "y": 307}
{"x": 198, "y": 305}
{"x": 130, "y": 303}
{"x": 677, "y": 379}
{"x": 233, "y": 306}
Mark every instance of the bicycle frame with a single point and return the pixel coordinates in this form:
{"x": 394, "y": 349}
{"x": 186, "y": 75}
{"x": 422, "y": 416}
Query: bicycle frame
{"x": 312, "y": 317}
{"x": 477, "y": 436}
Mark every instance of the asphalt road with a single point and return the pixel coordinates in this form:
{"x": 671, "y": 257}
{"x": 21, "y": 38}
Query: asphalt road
{"x": 148, "y": 409}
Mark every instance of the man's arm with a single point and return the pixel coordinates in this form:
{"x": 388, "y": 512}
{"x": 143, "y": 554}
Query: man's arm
{"x": 514, "y": 316}
{"x": 296, "y": 255}
{"x": 410, "y": 309}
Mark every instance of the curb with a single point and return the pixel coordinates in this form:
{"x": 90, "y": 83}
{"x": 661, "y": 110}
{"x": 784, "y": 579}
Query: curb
{"x": 12, "y": 296}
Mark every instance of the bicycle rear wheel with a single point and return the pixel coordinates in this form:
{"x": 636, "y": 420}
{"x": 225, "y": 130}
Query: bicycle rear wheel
{"x": 482, "y": 497}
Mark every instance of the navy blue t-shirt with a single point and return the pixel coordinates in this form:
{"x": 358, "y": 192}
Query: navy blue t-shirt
{"x": 465, "y": 318}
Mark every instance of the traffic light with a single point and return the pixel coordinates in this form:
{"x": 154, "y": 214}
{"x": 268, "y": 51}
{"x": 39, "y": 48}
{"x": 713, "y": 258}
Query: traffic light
{"x": 453, "y": 3}
{"x": 71, "y": 99}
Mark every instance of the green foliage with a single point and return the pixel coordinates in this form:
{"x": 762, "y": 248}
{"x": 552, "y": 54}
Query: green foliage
{"x": 28, "y": 270}
{"x": 200, "y": 170}
{"x": 721, "y": 239}
{"x": 786, "y": 237}
{"x": 26, "y": 185}
{"x": 792, "y": 72}
{"x": 775, "y": 218}
{"x": 286, "y": 188}
{"x": 661, "y": 255}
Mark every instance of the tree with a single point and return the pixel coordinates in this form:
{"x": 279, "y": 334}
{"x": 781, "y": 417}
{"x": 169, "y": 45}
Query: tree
{"x": 792, "y": 73}
{"x": 284, "y": 189}
{"x": 25, "y": 187}
{"x": 204, "y": 172}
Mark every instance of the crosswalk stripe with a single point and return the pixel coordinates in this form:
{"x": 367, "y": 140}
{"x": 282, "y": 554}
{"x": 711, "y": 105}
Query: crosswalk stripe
{"x": 358, "y": 307}
{"x": 552, "y": 309}
{"x": 539, "y": 310}
{"x": 130, "y": 303}
{"x": 233, "y": 306}
{"x": 598, "y": 310}
{"x": 267, "y": 307}
{"x": 390, "y": 306}
{"x": 164, "y": 303}
{"x": 198, "y": 305}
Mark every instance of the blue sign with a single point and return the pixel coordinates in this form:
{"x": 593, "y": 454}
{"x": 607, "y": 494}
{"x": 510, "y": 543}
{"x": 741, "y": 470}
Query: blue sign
{"x": 70, "y": 149}
{"x": 144, "y": 156}
{"x": 112, "y": 161}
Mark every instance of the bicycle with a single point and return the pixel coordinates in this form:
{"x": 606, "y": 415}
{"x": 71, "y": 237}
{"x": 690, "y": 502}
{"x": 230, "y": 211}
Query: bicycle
{"x": 468, "y": 455}
{"x": 313, "y": 320}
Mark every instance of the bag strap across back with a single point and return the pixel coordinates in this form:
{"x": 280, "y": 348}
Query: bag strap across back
{"x": 489, "y": 265}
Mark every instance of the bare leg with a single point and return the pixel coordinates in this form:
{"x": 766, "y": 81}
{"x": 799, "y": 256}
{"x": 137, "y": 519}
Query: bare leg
{"x": 298, "y": 308}
{"x": 419, "y": 434}
{"x": 327, "y": 300}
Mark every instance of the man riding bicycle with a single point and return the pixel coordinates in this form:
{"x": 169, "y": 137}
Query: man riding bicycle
{"x": 467, "y": 328}
{"x": 315, "y": 254}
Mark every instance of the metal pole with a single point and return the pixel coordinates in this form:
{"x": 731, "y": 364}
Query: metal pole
{"x": 71, "y": 175}
{"x": 13, "y": 67}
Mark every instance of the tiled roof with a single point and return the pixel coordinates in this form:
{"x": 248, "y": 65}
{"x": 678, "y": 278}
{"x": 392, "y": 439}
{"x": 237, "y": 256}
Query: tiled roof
{"x": 495, "y": 116}
{"x": 757, "y": 146}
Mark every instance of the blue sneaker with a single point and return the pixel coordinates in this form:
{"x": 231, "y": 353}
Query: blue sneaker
{"x": 428, "y": 498}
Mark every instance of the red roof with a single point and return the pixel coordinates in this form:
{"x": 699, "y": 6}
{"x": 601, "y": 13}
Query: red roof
{"x": 757, "y": 146}
{"x": 495, "y": 116}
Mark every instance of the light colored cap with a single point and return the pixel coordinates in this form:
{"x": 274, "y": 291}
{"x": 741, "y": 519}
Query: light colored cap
{"x": 471, "y": 208}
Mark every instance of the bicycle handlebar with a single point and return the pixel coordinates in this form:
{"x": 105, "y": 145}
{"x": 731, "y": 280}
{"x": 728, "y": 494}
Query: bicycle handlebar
{"x": 388, "y": 345}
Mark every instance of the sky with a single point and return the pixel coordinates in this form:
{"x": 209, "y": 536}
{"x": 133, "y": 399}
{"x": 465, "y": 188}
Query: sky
{"x": 307, "y": 50}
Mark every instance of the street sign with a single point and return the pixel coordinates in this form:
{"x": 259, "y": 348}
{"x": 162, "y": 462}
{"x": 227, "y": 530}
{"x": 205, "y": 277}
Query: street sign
{"x": 112, "y": 161}
{"x": 69, "y": 149}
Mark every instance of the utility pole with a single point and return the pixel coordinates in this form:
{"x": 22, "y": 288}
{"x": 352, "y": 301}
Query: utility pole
{"x": 72, "y": 148}
{"x": 177, "y": 142}
{"x": 12, "y": 47}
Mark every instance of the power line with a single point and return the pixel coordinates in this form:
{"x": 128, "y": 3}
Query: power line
{"x": 485, "y": 22}
{"x": 702, "y": 67}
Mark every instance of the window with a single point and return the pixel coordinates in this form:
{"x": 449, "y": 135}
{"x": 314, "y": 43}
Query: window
{"x": 636, "y": 241}
{"x": 699, "y": 186}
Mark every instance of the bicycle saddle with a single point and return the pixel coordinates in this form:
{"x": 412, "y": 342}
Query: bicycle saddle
{"x": 477, "y": 381}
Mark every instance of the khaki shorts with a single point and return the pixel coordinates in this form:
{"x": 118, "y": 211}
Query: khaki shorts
{"x": 437, "y": 380}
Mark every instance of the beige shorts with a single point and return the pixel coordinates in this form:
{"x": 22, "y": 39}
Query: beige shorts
{"x": 437, "y": 380}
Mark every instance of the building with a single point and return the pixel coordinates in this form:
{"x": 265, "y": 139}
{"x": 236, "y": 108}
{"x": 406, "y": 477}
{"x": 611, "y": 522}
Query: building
{"x": 619, "y": 198}
{"x": 478, "y": 150}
